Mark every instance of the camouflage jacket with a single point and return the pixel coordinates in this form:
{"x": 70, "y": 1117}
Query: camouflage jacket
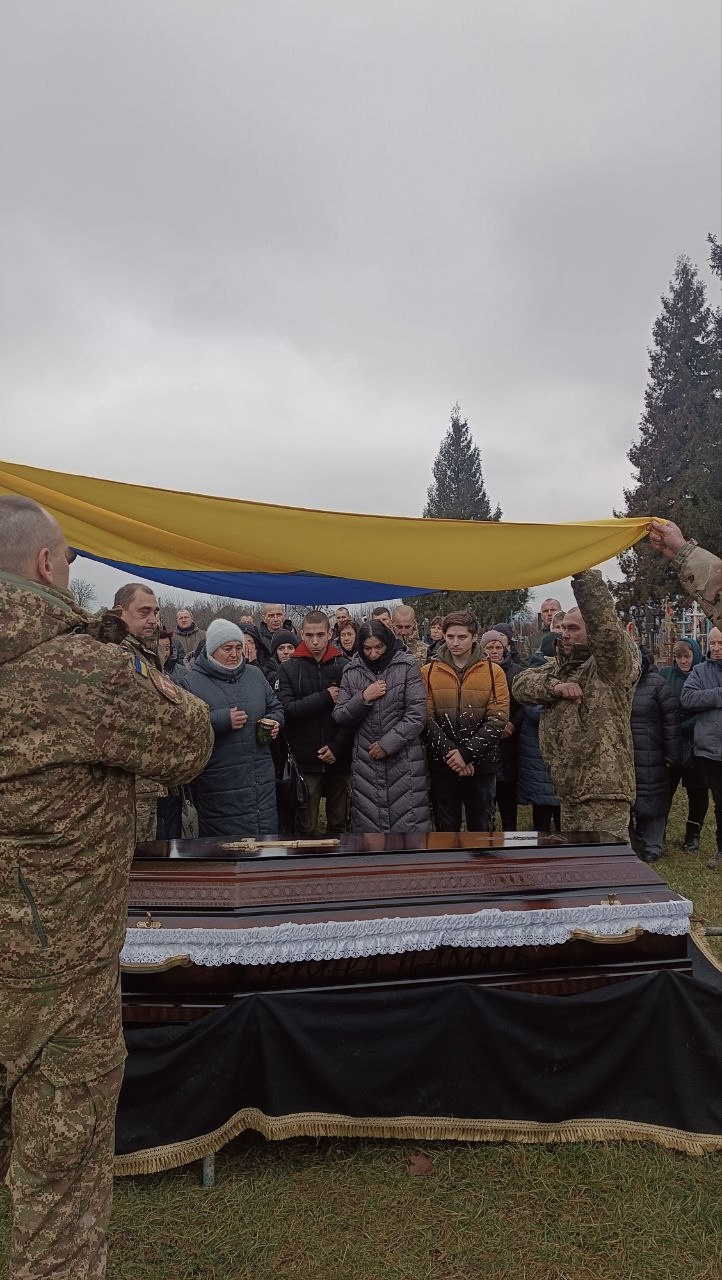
{"x": 700, "y": 574}
{"x": 587, "y": 748}
{"x": 146, "y": 789}
{"x": 417, "y": 649}
{"x": 79, "y": 720}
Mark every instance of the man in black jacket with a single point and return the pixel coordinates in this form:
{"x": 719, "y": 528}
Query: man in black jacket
{"x": 308, "y": 686}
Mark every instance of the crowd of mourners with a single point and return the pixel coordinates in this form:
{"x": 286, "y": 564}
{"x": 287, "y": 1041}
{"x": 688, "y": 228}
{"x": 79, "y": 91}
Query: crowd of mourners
{"x": 399, "y": 727}
{"x": 364, "y": 725}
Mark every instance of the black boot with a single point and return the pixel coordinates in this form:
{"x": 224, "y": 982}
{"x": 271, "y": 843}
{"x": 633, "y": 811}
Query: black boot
{"x": 715, "y": 864}
{"x": 691, "y": 837}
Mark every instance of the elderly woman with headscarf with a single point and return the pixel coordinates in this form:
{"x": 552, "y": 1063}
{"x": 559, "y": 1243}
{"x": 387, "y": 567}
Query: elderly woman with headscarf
{"x": 690, "y": 772}
{"x": 236, "y": 793}
{"x": 382, "y": 699}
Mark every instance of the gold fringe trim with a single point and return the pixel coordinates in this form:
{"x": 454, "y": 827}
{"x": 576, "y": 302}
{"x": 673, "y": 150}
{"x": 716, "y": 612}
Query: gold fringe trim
{"x": 698, "y": 938}
{"x": 158, "y": 966}
{"x": 419, "y": 1128}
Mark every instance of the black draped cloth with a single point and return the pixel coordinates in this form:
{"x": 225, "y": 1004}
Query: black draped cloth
{"x": 638, "y": 1059}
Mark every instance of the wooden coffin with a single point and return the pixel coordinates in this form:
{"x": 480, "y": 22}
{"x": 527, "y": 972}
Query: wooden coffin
{"x": 205, "y": 920}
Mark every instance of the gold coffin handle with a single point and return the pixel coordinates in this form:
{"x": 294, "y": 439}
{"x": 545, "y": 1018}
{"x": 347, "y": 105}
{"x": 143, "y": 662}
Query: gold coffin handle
{"x": 159, "y": 966}
{"x": 582, "y": 935}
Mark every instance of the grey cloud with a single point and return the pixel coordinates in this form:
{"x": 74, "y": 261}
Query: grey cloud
{"x": 262, "y": 248}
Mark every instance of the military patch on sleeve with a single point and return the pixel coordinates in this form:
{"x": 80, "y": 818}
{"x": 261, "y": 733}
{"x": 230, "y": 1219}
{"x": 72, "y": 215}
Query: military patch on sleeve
{"x": 163, "y": 684}
{"x": 140, "y": 666}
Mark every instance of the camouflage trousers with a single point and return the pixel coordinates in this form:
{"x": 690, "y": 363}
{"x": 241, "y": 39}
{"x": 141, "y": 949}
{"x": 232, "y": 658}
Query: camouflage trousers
{"x": 146, "y": 817}
{"x": 611, "y": 816}
{"x": 61, "y": 1067}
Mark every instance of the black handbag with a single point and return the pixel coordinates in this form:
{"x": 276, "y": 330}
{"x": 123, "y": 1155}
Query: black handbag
{"x": 292, "y": 784}
{"x": 687, "y": 760}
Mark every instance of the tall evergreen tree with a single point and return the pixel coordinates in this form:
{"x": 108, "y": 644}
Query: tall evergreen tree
{"x": 458, "y": 492}
{"x": 677, "y": 457}
{"x": 710, "y": 531}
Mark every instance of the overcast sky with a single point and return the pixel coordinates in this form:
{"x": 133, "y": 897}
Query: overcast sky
{"x": 260, "y": 248}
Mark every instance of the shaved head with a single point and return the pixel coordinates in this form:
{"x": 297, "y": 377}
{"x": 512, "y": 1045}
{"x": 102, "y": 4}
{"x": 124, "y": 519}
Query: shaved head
{"x": 403, "y": 621}
{"x": 574, "y": 630}
{"x": 547, "y": 609}
{"x": 32, "y": 544}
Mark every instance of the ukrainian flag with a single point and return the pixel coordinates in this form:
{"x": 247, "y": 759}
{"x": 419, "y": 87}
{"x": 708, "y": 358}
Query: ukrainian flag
{"x": 257, "y": 551}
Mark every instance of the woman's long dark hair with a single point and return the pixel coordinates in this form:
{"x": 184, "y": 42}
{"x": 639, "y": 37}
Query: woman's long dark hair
{"x": 379, "y": 632}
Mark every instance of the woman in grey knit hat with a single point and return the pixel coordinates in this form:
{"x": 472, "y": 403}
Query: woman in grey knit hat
{"x": 236, "y": 793}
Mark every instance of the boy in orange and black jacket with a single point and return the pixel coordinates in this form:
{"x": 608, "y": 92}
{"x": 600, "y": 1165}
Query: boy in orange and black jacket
{"x": 467, "y": 706}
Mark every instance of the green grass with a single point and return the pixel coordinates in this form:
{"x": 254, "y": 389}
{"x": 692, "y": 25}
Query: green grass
{"x": 688, "y": 874}
{"x": 334, "y": 1210}
{"x": 352, "y": 1210}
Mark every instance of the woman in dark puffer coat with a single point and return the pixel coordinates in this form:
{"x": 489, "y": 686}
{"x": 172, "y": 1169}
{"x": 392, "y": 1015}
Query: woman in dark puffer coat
{"x": 383, "y": 700}
{"x": 684, "y": 659}
{"x": 236, "y": 793}
{"x": 657, "y": 738}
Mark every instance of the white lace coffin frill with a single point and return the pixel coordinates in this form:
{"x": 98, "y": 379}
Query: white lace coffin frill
{"x": 351, "y": 939}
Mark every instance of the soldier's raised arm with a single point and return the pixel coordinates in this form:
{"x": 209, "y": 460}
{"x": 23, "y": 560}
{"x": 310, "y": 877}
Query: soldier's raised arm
{"x": 700, "y": 574}
{"x": 699, "y": 571}
{"x": 616, "y": 654}
{"x": 148, "y": 725}
{"x": 534, "y": 685}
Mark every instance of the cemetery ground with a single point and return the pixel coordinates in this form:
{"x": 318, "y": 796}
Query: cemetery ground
{"x": 375, "y": 1210}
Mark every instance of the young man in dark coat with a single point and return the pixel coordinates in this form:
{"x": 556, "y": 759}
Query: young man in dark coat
{"x": 308, "y": 687}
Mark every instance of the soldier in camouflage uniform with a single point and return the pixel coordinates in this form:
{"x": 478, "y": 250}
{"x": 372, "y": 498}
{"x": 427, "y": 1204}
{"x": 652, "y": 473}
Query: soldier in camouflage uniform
{"x": 586, "y": 692}
{"x": 81, "y": 719}
{"x": 699, "y": 571}
{"x": 403, "y": 625}
{"x": 138, "y": 606}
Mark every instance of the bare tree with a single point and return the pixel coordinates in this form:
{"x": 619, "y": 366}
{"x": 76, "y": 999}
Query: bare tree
{"x": 169, "y": 606}
{"x": 83, "y": 591}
